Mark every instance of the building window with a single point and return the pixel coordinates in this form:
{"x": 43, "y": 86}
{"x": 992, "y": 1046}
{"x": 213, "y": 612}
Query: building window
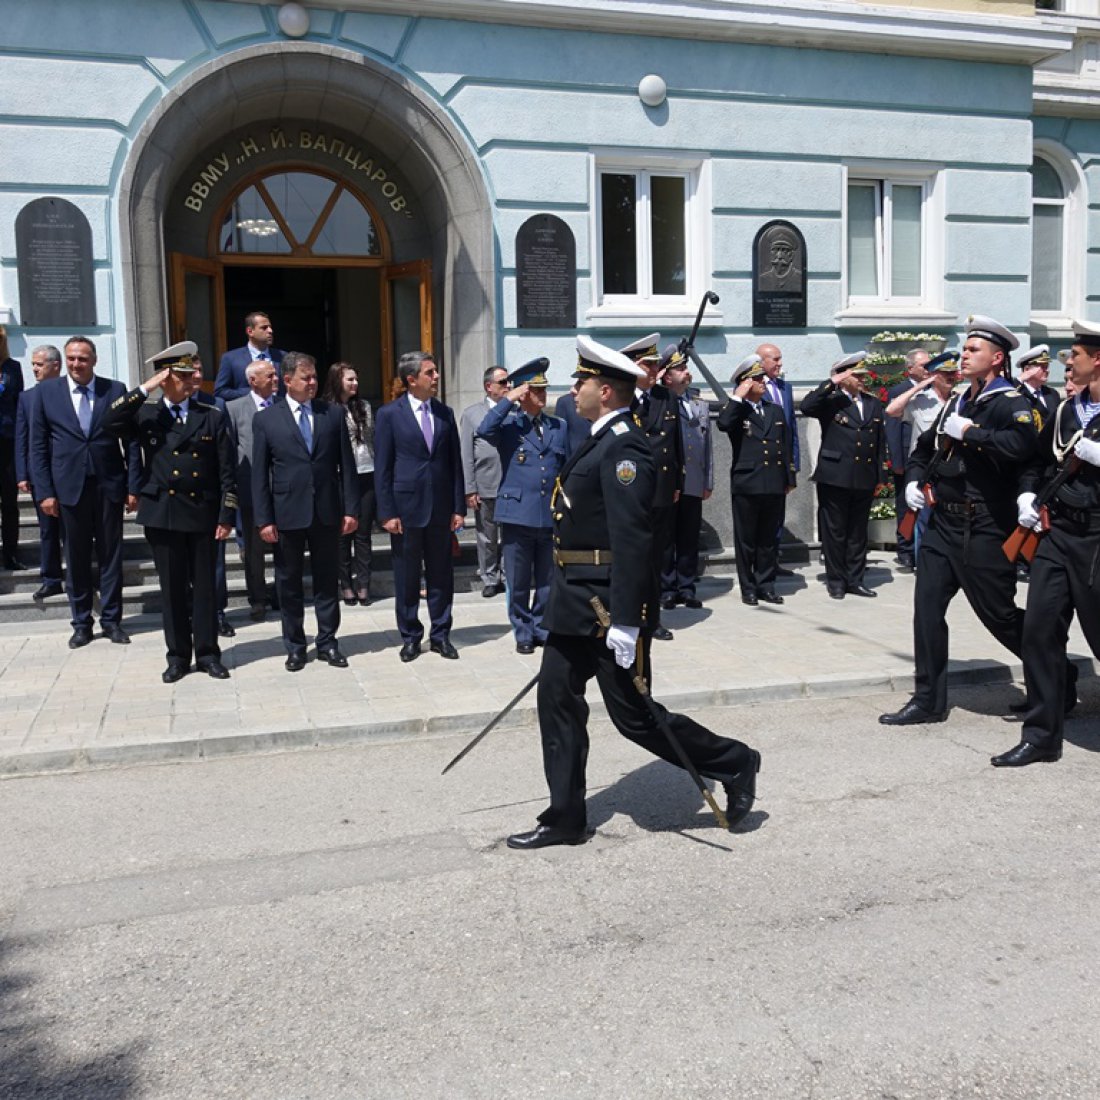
{"x": 648, "y": 234}
{"x": 1048, "y": 243}
{"x": 887, "y": 251}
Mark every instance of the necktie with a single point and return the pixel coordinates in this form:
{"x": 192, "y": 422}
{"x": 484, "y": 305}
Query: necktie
{"x": 538, "y": 427}
{"x": 265, "y": 355}
{"x": 773, "y": 390}
{"x": 303, "y": 426}
{"x": 177, "y": 412}
{"x": 84, "y": 410}
{"x": 265, "y": 403}
{"x": 685, "y": 409}
{"x": 426, "y": 424}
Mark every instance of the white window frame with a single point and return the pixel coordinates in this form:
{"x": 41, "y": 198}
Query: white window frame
{"x": 885, "y": 310}
{"x": 1059, "y": 322}
{"x": 658, "y": 309}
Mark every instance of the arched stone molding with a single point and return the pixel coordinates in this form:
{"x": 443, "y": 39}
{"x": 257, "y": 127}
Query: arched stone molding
{"x": 313, "y": 82}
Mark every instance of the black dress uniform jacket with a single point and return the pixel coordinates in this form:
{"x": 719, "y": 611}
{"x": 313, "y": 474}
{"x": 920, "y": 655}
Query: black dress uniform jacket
{"x": 1081, "y": 492}
{"x": 853, "y": 446}
{"x": 1044, "y": 401}
{"x": 660, "y": 422}
{"x": 763, "y": 460}
{"x": 604, "y": 502}
{"x": 188, "y": 472}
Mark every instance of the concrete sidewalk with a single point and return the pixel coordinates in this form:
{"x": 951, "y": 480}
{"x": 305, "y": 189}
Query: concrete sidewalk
{"x": 105, "y": 704}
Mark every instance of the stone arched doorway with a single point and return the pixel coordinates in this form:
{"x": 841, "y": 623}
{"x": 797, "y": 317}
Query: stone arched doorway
{"x": 258, "y": 110}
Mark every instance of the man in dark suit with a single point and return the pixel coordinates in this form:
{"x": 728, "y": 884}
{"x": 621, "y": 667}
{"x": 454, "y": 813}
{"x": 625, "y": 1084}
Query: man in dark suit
{"x": 232, "y": 380}
{"x": 579, "y": 428}
{"x": 79, "y": 473}
{"x": 305, "y": 492}
{"x": 777, "y": 390}
{"x": 186, "y": 503}
{"x": 658, "y": 415}
{"x": 421, "y": 501}
{"x": 761, "y": 475}
{"x": 46, "y": 363}
{"x": 850, "y": 465}
{"x": 1032, "y": 376}
{"x": 899, "y": 436}
{"x": 262, "y": 380}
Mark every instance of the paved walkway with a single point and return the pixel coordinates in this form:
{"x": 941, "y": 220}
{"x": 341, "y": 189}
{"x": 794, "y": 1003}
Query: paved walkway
{"x": 105, "y": 704}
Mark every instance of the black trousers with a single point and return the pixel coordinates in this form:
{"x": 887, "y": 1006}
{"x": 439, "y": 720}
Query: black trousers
{"x": 324, "y": 555}
{"x": 186, "y": 564}
{"x": 355, "y": 549}
{"x": 960, "y": 553}
{"x": 255, "y": 548}
{"x": 906, "y": 548}
{"x": 568, "y": 663}
{"x": 93, "y": 522}
{"x": 9, "y": 498}
{"x": 1064, "y": 580}
{"x": 49, "y": 546}
{"x": 842, "y": 516}
{"x": 680, "y": 565}
{"x": 664, "y": 528}
{"x": 754, "y": 522}
{"x": 430, "y": 546}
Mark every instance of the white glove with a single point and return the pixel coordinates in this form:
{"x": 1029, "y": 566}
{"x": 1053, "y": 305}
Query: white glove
{"x": 1027, "y": 515}
{"x": 914, "y": 496}
{"x": 956, "y": 425}
{"x": 1088, "y": 450}
{"x": 622, "y": 640}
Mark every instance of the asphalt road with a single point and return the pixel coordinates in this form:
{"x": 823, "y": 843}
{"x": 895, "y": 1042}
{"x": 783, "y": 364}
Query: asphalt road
{"x": 896, "y": 919}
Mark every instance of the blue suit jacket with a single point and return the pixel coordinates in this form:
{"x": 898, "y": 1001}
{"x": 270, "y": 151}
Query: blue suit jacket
{"x": 792, "y": 420}
{"x": 529, "y": 465}
{"x": 579, "y": 428}
{"x": 419, "y": 488}
{"x": 27, "y": 400}
{"x": 293, "y": 488}
{"x": 232, "y": 381}
{"x": 58, "y": 448}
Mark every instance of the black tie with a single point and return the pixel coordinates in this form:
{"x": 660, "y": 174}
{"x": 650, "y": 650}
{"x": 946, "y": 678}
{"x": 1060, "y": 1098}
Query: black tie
{"x": 177, "y": 412}
{"x": 538, "y": 427}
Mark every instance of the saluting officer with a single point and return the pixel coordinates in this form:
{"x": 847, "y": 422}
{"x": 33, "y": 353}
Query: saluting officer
{"x": 658, "y": 414}
{"x": 971, "y": 460}
{"x": 1063, "y": 571}
{"x": 850, "y": 465}
{"x": 761, "y": 475}
{"x": 186, "y": 502}
{"x": 603, "y": 548}
{"x": 532, "y": 449}
{"x": 1033, "y": 373}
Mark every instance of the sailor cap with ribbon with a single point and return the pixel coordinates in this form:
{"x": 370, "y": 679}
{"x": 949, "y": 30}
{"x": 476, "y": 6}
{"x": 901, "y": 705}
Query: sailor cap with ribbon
{"x": 594, "y": 360}
{"x": 179, "y": 358}
{"x": 987, "y": 329}
{"x": 1088, "y": 336}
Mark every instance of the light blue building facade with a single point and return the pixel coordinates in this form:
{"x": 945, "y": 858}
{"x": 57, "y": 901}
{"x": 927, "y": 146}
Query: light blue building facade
{"x": 362, "y": 171}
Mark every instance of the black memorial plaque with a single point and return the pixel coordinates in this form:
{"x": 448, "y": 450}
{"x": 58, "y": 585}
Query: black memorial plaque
{"x": 53, "y": 248}
{"x": 779, "y": 277}
{"x": 546, "y": 274}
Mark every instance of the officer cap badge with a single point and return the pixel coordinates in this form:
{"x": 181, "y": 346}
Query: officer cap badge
{"x": 749, "y": 367}
{"x": 1038, "y": 356}
{"x": 644, "y": 350}
{"x": 179, "y": 358}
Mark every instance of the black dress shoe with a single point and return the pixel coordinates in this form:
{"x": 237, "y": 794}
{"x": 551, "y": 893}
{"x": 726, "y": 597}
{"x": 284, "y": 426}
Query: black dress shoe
{"x": 364, "y": 599}
{"x": 445, "y": 649}
{"x": 741, "y": 792}
{"x": 1026, "y": 753}
{"x": 749, "y": 598}
{"x": 332, "y": 656}
{"x": 82, "y": 636}
{"x": 693, "y": 603}
{"x": 911, "y": 715}
{"x": 12, "y": 562}
{"x": 213, "y": 668}
{"x": 668, "y": 603}
{"x": 526, "y": 648}
{"x": 225, "y": 628}
{"x": 47, "y": 590}
{"x": 662, "y": 634}
{"x": 410, "y": 651}
{"x": 295, "y": 662}
{"x": 349, "y": 598}
{"x": 175, "y": 672}
{"x": 862, "y": 590}
{"x": 546, "y": 836}
{"x": 257, "y": 612}
{"x": 115, "y": 633}
{"x": 836, "y": 593}
{"x": 489, "y": 590}
{"x": 769, "y": 596}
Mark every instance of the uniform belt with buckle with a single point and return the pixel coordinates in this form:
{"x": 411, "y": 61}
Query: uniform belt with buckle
{"x": 582, "y": 557}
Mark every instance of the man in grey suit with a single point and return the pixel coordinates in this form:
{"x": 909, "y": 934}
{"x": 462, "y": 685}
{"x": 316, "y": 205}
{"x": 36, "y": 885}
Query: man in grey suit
{"x": 262, "y": 381}
{"x": 481, "y": 471}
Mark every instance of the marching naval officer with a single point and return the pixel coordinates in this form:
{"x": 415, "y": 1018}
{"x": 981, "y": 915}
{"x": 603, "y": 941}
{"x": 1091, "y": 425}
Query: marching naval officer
{"x": 186, "y": 502}
{"x": 603, "y": 547}
{"x": 532, "y": 449}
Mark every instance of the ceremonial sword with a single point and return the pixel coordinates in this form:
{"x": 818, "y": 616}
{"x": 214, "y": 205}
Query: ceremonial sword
{"x": 492, "y": 722}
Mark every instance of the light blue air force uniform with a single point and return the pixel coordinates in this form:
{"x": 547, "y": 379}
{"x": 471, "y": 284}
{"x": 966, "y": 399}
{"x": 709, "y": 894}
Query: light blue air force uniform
{"x": 531, "y": 456}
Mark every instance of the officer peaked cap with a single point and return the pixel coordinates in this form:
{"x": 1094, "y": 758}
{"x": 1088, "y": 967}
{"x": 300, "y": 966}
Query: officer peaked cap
{"x": 533, "y": 373}
{"x": 594, "y": 360}
{"x": 643, "y": 350}
{"x": 179, "y": 358}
